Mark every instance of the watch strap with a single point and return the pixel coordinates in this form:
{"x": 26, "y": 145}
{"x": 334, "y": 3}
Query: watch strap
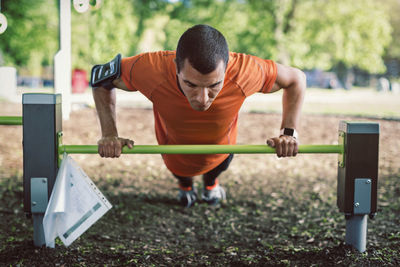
{"x": 289, "y": 132}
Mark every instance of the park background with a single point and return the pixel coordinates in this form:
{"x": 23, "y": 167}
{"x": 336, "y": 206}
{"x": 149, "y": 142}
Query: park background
{"x": 279, "y": 212}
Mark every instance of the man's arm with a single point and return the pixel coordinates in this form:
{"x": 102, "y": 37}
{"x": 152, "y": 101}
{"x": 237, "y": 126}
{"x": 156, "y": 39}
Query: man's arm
{"x": 110, "y": 145}
{"x": 293, "y": 83}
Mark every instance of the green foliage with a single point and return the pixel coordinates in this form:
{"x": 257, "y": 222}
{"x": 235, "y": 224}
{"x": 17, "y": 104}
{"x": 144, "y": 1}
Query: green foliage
{"x": 320, "y": 34}
{"x": 258, "y": 36}
{"x": 329, "y": 32}
{"x": 393, "y": 10}
{"x": 98, "y": 35}
{"x": 229, "y": 17}
{"x": 304, "y": 33}
{"x": 31, "y": 36}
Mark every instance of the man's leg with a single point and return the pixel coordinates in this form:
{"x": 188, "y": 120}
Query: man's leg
{"x": 213, "y": 193}
{"x": 210, "y": 178}
{"x": 185, "y": 183}
{"x": 187, "y": 192}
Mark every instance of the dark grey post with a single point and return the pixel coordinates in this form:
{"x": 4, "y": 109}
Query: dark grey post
{"x": 41, "y": 122}
{"x": 358, "y": 178}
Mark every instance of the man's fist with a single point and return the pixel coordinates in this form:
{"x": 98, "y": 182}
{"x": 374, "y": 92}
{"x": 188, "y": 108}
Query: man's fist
{"x": 285, "y": 146}
{"x": 111, "y": 147}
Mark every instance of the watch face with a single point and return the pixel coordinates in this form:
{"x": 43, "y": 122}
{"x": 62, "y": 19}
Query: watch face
{"x": 288, "y": 131}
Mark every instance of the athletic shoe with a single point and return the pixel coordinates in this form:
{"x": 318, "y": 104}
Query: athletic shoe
{"x": 187, "y": 197}
{"x": 214, "y": 196}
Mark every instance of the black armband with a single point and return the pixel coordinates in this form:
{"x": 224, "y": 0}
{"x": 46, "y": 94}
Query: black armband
{"x": 104, "y": 75}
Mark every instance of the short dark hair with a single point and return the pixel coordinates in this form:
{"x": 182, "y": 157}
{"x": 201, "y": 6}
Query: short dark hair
{"x": 204, "y": 46}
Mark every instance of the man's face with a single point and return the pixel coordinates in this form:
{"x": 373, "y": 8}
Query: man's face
{"x": 201, "y": 89}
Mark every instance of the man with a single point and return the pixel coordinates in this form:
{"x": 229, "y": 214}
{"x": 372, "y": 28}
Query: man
{"x": 197, "y": 92}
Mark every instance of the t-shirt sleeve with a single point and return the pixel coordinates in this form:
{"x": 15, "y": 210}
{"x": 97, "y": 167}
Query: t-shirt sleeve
{"x": 136, "y": 73}
{"x": 256, "y": 74}
{"x": 270, "y": 73}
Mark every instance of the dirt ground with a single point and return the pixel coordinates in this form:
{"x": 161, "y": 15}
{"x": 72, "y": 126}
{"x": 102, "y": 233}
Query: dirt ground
{"x": 279, "y": 212}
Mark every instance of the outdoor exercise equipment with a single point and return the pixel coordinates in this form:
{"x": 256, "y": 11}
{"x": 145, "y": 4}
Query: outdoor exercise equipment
{"x": 10, "y": 120}
{"x": 201, "y": 149}
{"x": 42, "y": 148}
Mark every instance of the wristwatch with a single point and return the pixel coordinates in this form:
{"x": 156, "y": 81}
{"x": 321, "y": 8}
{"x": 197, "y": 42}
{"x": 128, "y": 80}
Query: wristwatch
{"x": 289, "y": 132}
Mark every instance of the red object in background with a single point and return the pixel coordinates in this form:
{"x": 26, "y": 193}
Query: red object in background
{"x": 79, "y": 81}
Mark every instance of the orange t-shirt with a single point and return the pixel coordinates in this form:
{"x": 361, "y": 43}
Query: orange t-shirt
{"x": 154, "y": 75}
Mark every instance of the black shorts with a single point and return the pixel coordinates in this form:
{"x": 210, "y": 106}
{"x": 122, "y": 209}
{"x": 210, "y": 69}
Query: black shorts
{"x": 216, "y": 171}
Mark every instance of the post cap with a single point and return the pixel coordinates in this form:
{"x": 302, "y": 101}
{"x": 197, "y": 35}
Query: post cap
{"x": 351, "y": 127}
{"x": 38, "y": 98}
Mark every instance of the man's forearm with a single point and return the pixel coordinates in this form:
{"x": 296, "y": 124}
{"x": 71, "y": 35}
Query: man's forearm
{"x": 105, "y": 101}
{"x": 292, "y": 101}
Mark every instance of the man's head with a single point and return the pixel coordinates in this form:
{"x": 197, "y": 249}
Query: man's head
{"x": 204, "y": 47}
{"x": 201, "y": 59}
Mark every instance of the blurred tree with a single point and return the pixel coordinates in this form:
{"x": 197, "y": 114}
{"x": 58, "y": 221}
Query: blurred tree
{"x": 328, "y": 33}
{"x": 99, "y": 35}
{"x": 259, "y": 36}
{"x": 145, "y": 10}
{"x": 308, "y": 34}
{"x": 31, "y": 38}
{"x": 393, "y": 9}
{"x": 305, "y": 33}
{"x": 392, "y": 54}
{"x": 228, "y": 16}
{"x": 318, "y": 34}
{"x": 153, "y": 36}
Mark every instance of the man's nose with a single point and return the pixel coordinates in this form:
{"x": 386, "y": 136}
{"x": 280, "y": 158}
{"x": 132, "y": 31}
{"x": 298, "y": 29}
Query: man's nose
{"x": 203, "y": 97}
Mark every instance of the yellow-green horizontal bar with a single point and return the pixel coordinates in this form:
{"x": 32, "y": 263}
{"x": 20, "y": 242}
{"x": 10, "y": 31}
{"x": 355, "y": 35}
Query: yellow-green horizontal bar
{"x": 10, "y": 120}
{"x": 202, "y": 149}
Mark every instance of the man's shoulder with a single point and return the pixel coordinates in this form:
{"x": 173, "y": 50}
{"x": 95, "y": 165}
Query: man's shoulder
{"x": 162, "y": 55}
{"x": 151, "y": 58}
{"x": 249, "y": 72}
{"x": 241, "y": 63}
{"x": 145, "y": 71}
{"x": 239, "y": 59}
{"x": 150, "y": 63}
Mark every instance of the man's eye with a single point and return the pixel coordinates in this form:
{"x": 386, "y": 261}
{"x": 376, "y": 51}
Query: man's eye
{"x": 213, "y": 86}
{"x": 190, "y": 85}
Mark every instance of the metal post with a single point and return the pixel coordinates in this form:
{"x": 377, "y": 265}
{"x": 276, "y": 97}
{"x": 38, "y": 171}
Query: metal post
{"x": 356, "y": 232}
{"x": 62, "y": 60}
{"x": 41, "y": 122}
{"x": 38, "y": 231}
{"x": 358, "y": 178}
